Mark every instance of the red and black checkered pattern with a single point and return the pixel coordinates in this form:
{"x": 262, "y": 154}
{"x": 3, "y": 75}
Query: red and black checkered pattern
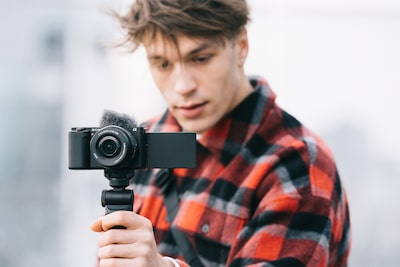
{"x": 266, "y": 192}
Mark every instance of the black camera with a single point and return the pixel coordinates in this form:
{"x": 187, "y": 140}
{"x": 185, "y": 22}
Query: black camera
{"x": 114, "y": 147}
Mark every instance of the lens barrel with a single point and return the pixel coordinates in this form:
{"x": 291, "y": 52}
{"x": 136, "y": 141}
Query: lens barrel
{"x": 113, "y": 146}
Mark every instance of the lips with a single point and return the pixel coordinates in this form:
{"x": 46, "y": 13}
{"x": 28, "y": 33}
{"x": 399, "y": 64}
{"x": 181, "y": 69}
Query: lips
{"x": 191, "y": 110}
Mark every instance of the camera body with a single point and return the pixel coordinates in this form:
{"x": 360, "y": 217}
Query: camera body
{"x": 114, "y": 147}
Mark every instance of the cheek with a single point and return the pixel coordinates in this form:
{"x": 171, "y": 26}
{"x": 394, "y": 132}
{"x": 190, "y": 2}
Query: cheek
{"x": 161, "y": 84}
{"x": 165, "y": 94}
{"x": 157, "y": 78}
{"x": 226, "y": 82}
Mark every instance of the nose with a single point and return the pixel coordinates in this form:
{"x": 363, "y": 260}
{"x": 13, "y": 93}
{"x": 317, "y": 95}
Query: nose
{"x": 184, "y": 83}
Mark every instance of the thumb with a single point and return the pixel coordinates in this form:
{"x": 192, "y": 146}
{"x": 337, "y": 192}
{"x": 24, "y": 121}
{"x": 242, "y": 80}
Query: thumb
{"x": 97, "y": 225}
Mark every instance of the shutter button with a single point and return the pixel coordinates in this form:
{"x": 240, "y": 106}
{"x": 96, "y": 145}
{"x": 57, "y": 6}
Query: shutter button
{"x": 205, "y": 228}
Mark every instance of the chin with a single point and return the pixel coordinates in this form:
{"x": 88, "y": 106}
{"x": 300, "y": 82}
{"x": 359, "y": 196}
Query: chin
{"x": 197, "y": 127}
{"x": 193, "y": 126}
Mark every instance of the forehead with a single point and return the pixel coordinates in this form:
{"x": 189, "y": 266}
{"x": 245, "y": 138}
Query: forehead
{"x": 161, "y": 46}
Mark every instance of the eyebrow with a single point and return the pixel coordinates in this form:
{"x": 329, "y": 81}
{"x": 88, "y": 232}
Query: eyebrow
{"x": 198, "y": 49}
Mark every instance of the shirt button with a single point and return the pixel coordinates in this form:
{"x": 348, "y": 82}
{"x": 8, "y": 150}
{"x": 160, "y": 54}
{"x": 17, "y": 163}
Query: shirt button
{"x": 205, "y": 228}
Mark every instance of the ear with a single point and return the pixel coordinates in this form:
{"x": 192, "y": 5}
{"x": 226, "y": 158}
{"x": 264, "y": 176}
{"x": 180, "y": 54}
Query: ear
{"x": 242, "y": 46}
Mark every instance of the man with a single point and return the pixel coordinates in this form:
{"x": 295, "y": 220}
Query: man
{"x": 265, "y": 191}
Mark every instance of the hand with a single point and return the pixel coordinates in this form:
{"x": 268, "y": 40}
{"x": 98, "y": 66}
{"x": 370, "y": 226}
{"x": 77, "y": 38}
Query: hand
{"x": 133, "y": 246}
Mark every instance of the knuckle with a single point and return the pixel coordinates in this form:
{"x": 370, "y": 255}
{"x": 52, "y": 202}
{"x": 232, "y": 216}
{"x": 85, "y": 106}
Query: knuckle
{"x": 119, "y": 216}
{"x": 146, "y": 224}
{"x": 105, "y": 239}
{"x": 106, "y": 252}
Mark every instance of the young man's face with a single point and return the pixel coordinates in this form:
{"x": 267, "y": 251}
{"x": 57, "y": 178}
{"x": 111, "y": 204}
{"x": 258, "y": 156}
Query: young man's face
{"x": 200, "y": 80}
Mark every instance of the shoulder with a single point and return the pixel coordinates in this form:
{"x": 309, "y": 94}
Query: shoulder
{"x": 301, "y": 162}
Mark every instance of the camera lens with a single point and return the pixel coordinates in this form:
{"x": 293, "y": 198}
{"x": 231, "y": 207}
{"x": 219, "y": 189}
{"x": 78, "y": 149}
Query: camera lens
{"x": 113, "y": 147}
{"x": 109, "y": 146}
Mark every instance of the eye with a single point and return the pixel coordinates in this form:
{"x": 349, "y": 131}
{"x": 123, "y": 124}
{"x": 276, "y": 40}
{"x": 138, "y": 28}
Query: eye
{"x": 164, "y": 65}
{"x": 201, "y": 59}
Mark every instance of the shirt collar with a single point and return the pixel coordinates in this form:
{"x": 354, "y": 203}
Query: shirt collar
{"x": 229, "y": 135}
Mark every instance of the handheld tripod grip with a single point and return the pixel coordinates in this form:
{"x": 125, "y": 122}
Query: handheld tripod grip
{"x": 113, "y": 200}
{"x": 118, "y": 198}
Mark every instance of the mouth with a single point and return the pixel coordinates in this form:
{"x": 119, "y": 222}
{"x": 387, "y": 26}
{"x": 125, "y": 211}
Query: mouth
{"x": 191, "y": 110}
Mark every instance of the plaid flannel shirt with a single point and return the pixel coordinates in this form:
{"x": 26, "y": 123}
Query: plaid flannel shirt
{"x": 265, "y": 192}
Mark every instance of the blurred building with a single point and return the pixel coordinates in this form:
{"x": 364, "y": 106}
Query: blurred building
{"x": 31, "y": 106}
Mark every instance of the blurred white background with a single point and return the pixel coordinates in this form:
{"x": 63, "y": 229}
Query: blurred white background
{"x": 335, "y": 65}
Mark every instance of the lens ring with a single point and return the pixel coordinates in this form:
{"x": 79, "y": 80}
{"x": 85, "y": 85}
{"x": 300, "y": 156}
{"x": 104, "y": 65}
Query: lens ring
{"x": 102, "y": 146}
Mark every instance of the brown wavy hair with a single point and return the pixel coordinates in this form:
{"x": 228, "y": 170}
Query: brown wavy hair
{"x": 216, "y": 19}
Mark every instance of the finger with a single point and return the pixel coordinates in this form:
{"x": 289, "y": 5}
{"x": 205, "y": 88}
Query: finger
{"x": 128, "y": 219}
{"x": 96, "y": 226}
{"x": 117, "y": 251}
{"x": 122, "y": 255}
{"x": 114, "y": 236}
{"x": 120, "y": 262}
